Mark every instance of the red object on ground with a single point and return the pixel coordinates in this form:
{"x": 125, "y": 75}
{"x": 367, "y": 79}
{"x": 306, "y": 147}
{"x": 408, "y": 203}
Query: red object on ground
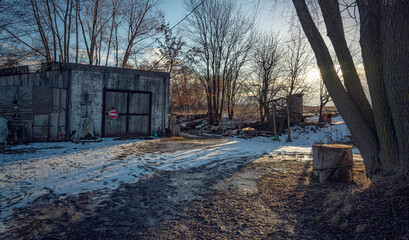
{"x": 113, "y": 114}
{"x": 324, "y": 117}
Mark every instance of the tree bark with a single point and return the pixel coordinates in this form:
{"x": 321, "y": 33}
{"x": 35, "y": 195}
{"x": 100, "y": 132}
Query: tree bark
{"x": 273, "y": 112}
{"x": 52, "y": 30}
{"x": 76, "y": 30}
{"x": 394, "y": 37}
{"x": 288, "y": 121}
{"x": 67, "y": 34}
{"x": 93, "y": 35}
{"x": 41, "y": 30}
{"x": 57, "y": 33}
{"x": 372, "y": 59}
{"x": 320, "y": 113}
{"x": 335, "y": 31}
{"x": 363, "y": 135}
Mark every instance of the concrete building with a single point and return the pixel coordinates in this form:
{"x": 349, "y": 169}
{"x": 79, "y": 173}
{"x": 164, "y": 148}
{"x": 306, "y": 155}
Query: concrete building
{"x": 51, "y": 103}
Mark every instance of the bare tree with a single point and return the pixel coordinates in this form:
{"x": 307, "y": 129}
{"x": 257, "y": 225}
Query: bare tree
{"x": 89, "y": 31}
{"x": 93, "y": 16}
{"x": 241, "y": 41}
{"x": 218, "y": 31}
{"x": 53, "y": 19}
{"x": 60, "y": 13}
{"x": 39, "y": 27}
{"x": 170, "y": 51}
{"x": 5, "y": 6}
{"x": 12, "y": 35}
{"x": 116, "y": 19}
{"x": 296, "y": 61}
{"x": 381, "y": 132}
{"x": 144, "y": 21}
{"x": 324, "y": 98}
{"x": 265, "y": 60}
{"x": 186, "y": 92}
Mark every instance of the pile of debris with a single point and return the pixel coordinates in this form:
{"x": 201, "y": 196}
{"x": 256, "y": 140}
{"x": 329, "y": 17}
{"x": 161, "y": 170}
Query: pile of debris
{"x": 225, "y": 127}
{"x": 244, "y": 129}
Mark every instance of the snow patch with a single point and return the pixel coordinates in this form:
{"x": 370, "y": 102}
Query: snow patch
{"x": 65, "y": 168}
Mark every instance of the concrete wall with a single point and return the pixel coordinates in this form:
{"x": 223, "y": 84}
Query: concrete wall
{"x": 85, "y": 99}
{"x": 34, "y": 104}
{"x": 86, "y": 93}
{"x": 49, "y": 104}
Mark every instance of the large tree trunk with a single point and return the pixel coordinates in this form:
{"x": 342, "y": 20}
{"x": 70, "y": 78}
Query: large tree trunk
{"x": 395, "y": 43}
{"x": 364, "y": 136}
{"x": 261, "y": 111}
{"x": 372, "y": 58}
{"x": 335, "y": 31}
{"x": 127, "y": 54}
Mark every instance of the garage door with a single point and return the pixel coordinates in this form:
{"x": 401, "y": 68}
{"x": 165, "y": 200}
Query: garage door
{"x": 126, "y": 113}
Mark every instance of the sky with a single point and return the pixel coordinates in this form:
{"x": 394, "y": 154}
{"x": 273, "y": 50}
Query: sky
{"x": 174, "y": 11}
{"x": 268, "y": 17}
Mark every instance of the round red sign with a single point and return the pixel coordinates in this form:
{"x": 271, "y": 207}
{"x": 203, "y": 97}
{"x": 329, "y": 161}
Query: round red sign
{"x": 113, "y": 114}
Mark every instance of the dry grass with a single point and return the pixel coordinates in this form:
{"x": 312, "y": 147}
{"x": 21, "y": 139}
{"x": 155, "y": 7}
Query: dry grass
{"x": 377, "y": 209}
{"x": 176, "y": 139}
{"x": 289, "y": 205}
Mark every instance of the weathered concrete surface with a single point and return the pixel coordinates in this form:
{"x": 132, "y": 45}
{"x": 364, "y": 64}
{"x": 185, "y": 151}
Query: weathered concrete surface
{"x": 49, "y": 103}
{"x": 85, "y": 99}
{"x": 34, "y": 104}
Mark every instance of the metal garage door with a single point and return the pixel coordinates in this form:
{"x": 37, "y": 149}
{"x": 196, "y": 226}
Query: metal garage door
{"x": 133, "y": 110}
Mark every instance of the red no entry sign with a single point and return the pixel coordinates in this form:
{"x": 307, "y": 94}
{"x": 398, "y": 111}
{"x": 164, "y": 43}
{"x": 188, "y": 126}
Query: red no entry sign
{"x": 113, "y": 114}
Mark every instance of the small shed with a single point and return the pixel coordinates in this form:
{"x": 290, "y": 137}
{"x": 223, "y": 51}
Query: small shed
{"x": 50, "y": 102}
{"x": 297, "y": 104}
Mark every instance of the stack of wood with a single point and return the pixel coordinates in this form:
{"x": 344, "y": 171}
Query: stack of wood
{"x": 265, "y": 134}
{"x": 174, "y": 126}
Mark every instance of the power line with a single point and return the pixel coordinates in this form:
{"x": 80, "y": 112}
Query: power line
{"x": 157, "y": 39}
{"x": 194, "y": 9}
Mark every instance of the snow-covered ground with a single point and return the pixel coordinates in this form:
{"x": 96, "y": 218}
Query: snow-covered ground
{"x": 32, "y": 170}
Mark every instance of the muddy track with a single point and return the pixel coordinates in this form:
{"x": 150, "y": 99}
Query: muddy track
{"x": 231, "y": 197}
{"x": 128, "y": 211}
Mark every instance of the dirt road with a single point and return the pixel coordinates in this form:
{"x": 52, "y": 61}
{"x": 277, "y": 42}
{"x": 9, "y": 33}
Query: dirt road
{"x": 132, "y": 209}
{"x": 270, "y": 196}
